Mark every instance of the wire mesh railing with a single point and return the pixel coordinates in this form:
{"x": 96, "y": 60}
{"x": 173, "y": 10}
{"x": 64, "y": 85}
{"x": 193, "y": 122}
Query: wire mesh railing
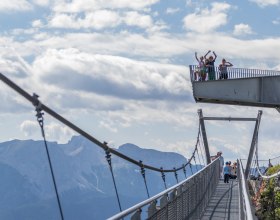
{"x": 245, "y": 205}
{"x": 186, "y": 200}
{"x": 198, "y": 74}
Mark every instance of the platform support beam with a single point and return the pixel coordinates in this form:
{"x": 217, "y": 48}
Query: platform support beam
{"x": 253, "y": 145}
{"x": 204, "y": 136}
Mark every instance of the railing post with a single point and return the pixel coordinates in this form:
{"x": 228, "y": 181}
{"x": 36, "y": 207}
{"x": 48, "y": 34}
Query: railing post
{"x": 252, "y": 148}
{"x": 240, "y": 190}
{"x": 164, "y": 201}
{"x": 203, "y": 131}
{"x": 136, "y": 215}
{"x": 192, "y": 74}
{"x": 152, "y": 208}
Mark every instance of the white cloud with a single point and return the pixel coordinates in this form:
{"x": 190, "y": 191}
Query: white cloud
{"x": 15, "y": 5}
{"x": 108, "y": 125}
{"x": 100, "y": 19}
{"x": 133, "y": 18}
{"x": 264, "y": 3}
{"x": 276, "y": 21}
{"x": 242, "y": 29}
{"x": 53, "y": 131}
{"x": 37, "y": 23}
{"x": 92, "y": 5}
{"x": 207, "y": 20}
{"x": 58, "y": 132}
{"x": 172, "y": 10}
{"x": 97, "y": 73}
{"x": 42, "y": 2}
{"x": 63, "y": 21}
{"x": 29, "y": 128}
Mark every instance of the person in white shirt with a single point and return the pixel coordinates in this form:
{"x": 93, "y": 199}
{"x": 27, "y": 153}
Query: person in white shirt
{"x": 219, "y": 154}
{"x": 233, "y": 174}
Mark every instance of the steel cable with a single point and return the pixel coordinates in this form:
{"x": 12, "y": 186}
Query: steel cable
{"x": 109, "y": 160}
{"x": 80, "y": 131}
{"x": 40, "y": 120}
{"x": 144, "y": 177}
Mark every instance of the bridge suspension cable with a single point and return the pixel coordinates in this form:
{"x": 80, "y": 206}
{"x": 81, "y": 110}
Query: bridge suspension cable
{"x": 57, "y": 116}
{"x": 109, "y": 160}
{"x": 34, "y": 99}
{"x": 144, "y": 178}
{"x": 40, "y": 120}
{"x": 258, "y": 167}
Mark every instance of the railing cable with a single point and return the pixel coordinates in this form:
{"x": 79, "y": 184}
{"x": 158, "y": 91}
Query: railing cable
{"x": 176, "y": 175}
{"x": 184, "y": 171}
{"x": 77, "y": 129}
{"x": 144, "y": 177}
{"x": 109, "y": 160}
{"x": 163, "y": 177}
{"x": 191, "y": 168}
{"x": 195, "y": 163}
{"x": 40, "y": 120}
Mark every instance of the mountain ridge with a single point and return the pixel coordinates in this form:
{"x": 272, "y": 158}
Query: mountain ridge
{"x": 82, "y": 175}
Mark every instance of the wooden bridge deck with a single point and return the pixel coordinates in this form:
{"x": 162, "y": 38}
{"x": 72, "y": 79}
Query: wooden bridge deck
{"x": 224, "y": 203}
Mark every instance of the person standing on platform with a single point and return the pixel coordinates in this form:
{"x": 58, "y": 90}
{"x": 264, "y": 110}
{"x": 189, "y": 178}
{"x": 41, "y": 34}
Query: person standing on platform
{"x": 219, "y": 154}
{"x": 223, "y": 68}
{"x": 202, "y": 67}
{"x": 211, "y": 66}
{"x": 227, "y": 171}
{"x": 233, "y": 174}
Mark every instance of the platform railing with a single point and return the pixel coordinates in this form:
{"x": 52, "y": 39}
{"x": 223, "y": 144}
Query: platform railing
{"x": 232, "y": 73}
{"x": 186, "y": 200}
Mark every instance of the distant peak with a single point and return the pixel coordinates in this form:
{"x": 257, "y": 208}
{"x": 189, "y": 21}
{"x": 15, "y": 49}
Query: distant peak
{"x": 128, "y": 146}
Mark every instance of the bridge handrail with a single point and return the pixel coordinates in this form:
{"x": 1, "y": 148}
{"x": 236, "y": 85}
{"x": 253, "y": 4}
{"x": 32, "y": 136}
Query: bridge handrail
{"x": 234, "y": 73}
{"x": 159, "y": 195}
{"x": 244, "y": 198}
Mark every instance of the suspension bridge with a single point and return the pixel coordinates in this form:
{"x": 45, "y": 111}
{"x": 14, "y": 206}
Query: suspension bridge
{"x": 203, "y": 195}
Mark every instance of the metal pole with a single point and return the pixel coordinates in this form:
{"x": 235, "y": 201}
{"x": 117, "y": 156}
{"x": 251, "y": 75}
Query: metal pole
{"x": 203, "y": 132}
{"x": 229, "y": 119}
{"x": 252, "y": 148}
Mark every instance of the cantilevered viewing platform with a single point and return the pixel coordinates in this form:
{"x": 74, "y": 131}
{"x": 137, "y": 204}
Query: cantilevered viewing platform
{"x": 248, "y": 87}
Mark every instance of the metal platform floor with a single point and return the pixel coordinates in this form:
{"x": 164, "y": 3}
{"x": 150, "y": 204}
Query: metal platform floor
{"x": 224, "y": 203}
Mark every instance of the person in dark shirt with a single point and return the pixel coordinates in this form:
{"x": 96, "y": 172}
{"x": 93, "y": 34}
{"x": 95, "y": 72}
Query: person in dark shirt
{"x": 211, "y": 67}
{"x": 227, "y": 171}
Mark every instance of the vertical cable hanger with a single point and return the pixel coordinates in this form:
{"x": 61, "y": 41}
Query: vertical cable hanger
{"x": 163, "y": 177}
{"x": 195, "y": 162}
{"x": 191, "y": 166}
{"x": 176, "y": 175}
{"x": 40, "y": 120}
{"x": 184, "y": 170}
{"x": 144, "y": 177}
{"x": 109, "y": 160}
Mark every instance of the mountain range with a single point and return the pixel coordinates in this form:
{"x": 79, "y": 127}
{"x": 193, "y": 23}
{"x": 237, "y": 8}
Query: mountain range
{"x": 83, "y": 179}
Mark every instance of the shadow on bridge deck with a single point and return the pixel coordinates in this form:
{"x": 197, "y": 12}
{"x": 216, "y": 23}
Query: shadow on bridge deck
{"x": 224, "y": 203}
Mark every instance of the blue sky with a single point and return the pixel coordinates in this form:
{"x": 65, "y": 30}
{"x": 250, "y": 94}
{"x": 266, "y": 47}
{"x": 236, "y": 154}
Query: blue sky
{"x": 119, "y": 69}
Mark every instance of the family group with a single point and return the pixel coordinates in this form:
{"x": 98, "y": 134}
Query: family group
{"x": 229, "y": 171}
{"x": 206, "y": 67}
